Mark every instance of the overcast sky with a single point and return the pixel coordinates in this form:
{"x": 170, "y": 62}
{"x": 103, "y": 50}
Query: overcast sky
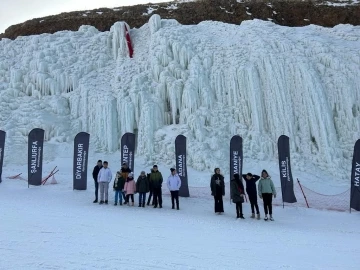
{"x": 17, "y": 11}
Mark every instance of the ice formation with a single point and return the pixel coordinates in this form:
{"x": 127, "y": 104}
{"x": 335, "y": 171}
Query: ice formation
{"x": 208, "y": 81}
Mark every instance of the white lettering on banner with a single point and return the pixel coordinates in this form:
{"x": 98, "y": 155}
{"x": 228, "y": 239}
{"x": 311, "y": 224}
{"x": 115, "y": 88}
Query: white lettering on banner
{"x": 181, "y": 164}
{"x": 130, "y": 159}
{"x": 236, "y": 162}
{"x": 34, "y": 157}
{"x": 357, "y": 175}
{"x": 125, "y": 152}
{"x": 283, "y": 170}
{"x": 79, "y": 161}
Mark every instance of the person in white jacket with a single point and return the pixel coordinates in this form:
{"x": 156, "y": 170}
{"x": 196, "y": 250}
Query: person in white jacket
{"x": 104, "y": 178}
{"x": 174, "y": 184}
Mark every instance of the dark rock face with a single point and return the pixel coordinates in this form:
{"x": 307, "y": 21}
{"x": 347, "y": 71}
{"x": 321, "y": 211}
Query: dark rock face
{"x": 282, "y": 12}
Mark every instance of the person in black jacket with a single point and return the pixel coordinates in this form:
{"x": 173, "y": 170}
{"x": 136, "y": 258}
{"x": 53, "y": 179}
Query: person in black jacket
{"x": 251, "y": 191}
{"x": 217, "y": 186}
{"x": 237, "y": 194}
{"x": 95, "y": 174}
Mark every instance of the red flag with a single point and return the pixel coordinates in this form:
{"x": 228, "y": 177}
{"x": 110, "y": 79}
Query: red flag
{"x": 128, "y": 40}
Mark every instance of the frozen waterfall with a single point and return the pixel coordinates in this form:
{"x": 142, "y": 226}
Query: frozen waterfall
{"x": 208, "y": 81}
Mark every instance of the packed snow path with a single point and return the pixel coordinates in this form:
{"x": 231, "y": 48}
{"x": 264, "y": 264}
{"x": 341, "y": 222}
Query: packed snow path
{"x": 215, "y": 80}
{"x": 53, "y": 227}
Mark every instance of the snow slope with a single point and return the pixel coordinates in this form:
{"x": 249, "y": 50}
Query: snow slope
{"x": 54, "y": 227}
{"x": 208, "y": 81}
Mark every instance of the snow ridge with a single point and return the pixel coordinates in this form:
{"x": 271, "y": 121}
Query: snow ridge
{"x": 208, "y": 81}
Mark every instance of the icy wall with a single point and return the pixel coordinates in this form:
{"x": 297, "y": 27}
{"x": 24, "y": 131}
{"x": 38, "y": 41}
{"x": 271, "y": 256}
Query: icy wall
{"x": 208, "y": 81}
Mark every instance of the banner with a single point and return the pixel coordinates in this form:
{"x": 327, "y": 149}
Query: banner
{"x": 287, "y": 183}
{"x": 35, "y": 156}
{"x": 355, "y": 178}
{"x": 80, "y": 165}
{"x": 2, "y": 147}
{"x": 236, "y": 156}
{"x": 128, "y": 150}
{"x": 181, "y": 167}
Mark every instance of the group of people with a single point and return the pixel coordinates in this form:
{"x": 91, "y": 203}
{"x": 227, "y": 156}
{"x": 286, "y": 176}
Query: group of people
{"x": 125, "y": 185}
{"x": 266, "y": 191}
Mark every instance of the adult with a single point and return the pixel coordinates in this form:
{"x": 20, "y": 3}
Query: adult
{"x": 142, "y": 187}
{"x": 217, "y": 186}
{"x": 156, "y": 181}
{"x": 95, "y": 174}
{"x": 104, "y": 178}
{"x": 150, "y": 190}
{"x": 125, "y": 170}
{"x": 250, "y": 181}
{"x": 266, "y": 190}
{"x": 237, "y": 194}
{"x": 174, "y": 183}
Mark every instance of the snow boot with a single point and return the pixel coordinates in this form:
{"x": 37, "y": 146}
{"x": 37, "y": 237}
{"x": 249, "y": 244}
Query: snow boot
{"x": 271, "y": 218}
{"x": 95, "y": 201}
{"x": 173, "y": 207}
{"x": 266, "y": 218}
{"x": 242, "y": 216}
{"x": 106, "y": 202}
{"x": 253, "y": 215}
{"x": 143, "y": 205}
{"x": 258, "y": 216}
{"x": 101, "y": 202}
{"x": 115, "y": 204}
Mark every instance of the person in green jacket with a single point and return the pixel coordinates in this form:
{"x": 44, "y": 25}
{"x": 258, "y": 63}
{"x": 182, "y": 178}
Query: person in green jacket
{"x": 118, "y": 187}
{"x": 156, "y": 181}
{"x": 266, "y": 190}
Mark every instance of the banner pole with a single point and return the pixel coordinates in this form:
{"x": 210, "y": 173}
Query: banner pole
{"x": 303, "y": 193}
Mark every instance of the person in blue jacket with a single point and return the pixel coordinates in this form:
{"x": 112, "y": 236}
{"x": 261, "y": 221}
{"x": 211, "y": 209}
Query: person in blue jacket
{"x": 250, "y": 181}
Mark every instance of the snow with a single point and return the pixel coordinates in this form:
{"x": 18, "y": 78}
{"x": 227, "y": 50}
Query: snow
{"x": 54, "y": 227}
{"x": 191, "y": 80}
{"x": 99, "y": 12}
{"x": 341, "y": 3}
{"x": 150, "y": 10}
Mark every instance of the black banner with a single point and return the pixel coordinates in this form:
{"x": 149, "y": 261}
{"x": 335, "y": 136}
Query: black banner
{"x": 128, "y": 150}
{"x": 181, "y": 166}
{"x": 355, "y": 178}
{"x": 236, "y": 156}
{"x": 2, "y": 147}
{"x": 35, "y": 156}
{"x": 81, "y": 153}
{"x": 287, "y": 183}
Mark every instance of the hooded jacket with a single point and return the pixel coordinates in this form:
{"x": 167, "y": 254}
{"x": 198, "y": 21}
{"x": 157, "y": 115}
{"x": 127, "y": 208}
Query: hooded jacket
{"x": 266, "y": 185}
{"x": 236, "y": 189}
{"x": 130, "y": 186}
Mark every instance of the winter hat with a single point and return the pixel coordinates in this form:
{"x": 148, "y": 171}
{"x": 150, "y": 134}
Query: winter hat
{"x": 172, "y": 169}
{"x": 131, "y": 174}
{"x": 142, "y": 172}
{"x": 155, "y": 166}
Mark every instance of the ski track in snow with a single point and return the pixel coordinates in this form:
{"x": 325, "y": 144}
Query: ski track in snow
{"x": 53, "y": 227}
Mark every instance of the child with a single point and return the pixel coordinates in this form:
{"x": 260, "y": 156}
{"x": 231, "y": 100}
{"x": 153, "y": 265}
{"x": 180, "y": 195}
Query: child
{"x": 266, "y": 190}
{"x": 118, "y": 187}
{"x": 142, "y": 187}
{"x": 237, "y": 194}
{"x": 130, "y": 188}
{"x": 251, "y": 191}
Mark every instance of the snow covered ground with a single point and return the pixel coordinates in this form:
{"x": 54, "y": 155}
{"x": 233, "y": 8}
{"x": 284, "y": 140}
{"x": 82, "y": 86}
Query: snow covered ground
{"x": 54, "y": 227}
